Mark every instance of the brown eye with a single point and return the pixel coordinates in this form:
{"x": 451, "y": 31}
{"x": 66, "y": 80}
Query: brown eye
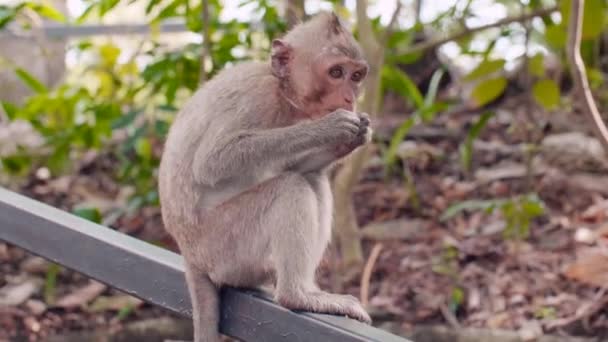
{"x": 336, "y": 72}
{"x": 357, "y": 76}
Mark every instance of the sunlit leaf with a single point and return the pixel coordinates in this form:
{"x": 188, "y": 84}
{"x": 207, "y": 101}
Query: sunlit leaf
{"x": 485, "y": 68}
{"x": 556, "y": 36}
{"x": 47, "y": 11}
{"x": 593, "y": 17}
{"x": 109, "y": 54}
{"x": 546, "y": 93}
{"x": 488, "y": 90}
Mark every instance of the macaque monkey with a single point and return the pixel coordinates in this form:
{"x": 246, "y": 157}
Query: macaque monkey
{"x": 243, "y": 180}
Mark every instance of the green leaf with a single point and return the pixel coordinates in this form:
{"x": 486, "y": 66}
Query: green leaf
{"x": 7, "y": 14}
{"x": 50, "y": 283}
{"x": 9, "y": 108}
{"x": 143, "y": 148}
{"x": 488, "y": 90}
{"x": 593, "y": 17}
{"x": 470, "y": 205}
{"x": 30, "y": 81}
{"x": 400, "y": 82}
{"x": 456, "y": 299}
{"x": 556, "y": 36}
{"x": 431, "y": 93}
{"x": 391, "y": 154}
{"x": 466, "y": 149}
{"x": 91, "y": 214}
{"x": 125, "y": 120}
{"x": 485, "y": 68}
{"x": 546, "y": 93}
{"x": 535, "y": 65}
{"x": 109, "y": 54}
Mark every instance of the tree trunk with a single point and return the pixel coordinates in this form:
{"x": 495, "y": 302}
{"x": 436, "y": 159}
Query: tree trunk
{"x": 347, "y": 227}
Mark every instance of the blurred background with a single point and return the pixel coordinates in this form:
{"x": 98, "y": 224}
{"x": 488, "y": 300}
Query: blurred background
{"x": 479, "y": 213}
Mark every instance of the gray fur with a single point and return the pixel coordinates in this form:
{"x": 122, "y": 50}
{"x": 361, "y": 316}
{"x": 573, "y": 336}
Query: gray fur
{"x": 245, "y": 193}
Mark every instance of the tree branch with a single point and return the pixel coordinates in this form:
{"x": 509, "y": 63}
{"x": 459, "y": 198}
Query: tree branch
{"x": 391, "y": 25}
{"x": 430, "y": 44}
{"x": 366, "y": 32}
{"x": 582, "y": 92}
{"x": 206, "y": 47}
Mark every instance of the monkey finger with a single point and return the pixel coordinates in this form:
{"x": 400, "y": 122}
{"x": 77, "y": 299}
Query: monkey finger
{"x": 364, "y": 118}
{"x": 351, "y": 128}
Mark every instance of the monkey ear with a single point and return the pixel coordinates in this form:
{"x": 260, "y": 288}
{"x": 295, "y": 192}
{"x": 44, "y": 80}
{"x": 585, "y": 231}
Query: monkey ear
{"x": 282, "y": 53}
{"x": 335, "y": 24}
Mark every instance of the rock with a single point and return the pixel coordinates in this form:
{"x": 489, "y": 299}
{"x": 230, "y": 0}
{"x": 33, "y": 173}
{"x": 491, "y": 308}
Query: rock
{"x": 16, "y": 294}
{"x": 35, "y": 265}
{"x": 35, "y": 306}
{"x": 574, "y": 152}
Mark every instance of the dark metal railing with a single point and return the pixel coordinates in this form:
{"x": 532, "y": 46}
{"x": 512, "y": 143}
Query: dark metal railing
{"x": 157, "y": 276}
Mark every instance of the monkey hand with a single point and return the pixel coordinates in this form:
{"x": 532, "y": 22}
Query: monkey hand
{"x": 346, "y": 130}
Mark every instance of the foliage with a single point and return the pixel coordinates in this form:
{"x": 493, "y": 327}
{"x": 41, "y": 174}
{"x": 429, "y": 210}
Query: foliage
{"x": 518, "y": 212}
{"x": 466, "y": 148}
{"x": 426, "y": 107}
{"x": 123, "y": 107}
{"x": 119, "y": 106}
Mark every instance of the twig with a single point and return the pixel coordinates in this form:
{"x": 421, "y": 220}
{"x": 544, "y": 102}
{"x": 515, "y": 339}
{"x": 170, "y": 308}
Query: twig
{"x": 367, "y": 273}
{"x": 586, "y": 310}
{"x": 366, "y": 32}
{"x": 206, "y": 48}
{"x": 430, "y": 44}
{"x": 449, "y": 316}
{"x": 582, "y": 91}
{"x": 391, "y": 24}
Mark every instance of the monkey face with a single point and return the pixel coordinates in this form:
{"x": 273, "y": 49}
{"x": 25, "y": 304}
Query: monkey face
{"x": 340, "y": 78}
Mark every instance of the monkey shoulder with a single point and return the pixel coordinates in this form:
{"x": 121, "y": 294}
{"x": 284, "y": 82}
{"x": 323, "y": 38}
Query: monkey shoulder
{"x": 240, "y": 91}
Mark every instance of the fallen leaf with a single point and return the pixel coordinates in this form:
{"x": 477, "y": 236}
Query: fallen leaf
{"x": 590, "y": 267}
{"x": 114, "y": 303}
{"x": 81, "y": 296}
{"x": 395, "y": 229}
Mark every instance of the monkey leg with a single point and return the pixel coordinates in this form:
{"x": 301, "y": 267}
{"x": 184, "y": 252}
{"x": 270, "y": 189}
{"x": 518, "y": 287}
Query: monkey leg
{"x": 278, "y": 229}
{"x": 301, "y": 216}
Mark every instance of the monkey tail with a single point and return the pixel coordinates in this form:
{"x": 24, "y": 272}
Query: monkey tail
{"x": 205, "y": 306}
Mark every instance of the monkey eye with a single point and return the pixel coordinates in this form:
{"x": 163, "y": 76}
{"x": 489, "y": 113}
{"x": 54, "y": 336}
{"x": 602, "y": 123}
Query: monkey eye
{"x": 357, "y": 76}
{"x": 336, "y": 72}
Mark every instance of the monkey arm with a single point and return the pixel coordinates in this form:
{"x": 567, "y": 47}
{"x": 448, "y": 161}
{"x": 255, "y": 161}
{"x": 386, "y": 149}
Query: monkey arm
{"x": 303, "y": 145}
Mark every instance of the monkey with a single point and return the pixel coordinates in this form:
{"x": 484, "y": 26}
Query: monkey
{"x": 244, "y": 176}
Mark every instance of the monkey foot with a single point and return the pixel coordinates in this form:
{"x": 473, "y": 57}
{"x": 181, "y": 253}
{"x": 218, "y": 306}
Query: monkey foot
{"x": 326, "y": 303}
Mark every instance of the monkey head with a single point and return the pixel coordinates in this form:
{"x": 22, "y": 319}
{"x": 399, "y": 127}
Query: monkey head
{"x": 320, "y": 66}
